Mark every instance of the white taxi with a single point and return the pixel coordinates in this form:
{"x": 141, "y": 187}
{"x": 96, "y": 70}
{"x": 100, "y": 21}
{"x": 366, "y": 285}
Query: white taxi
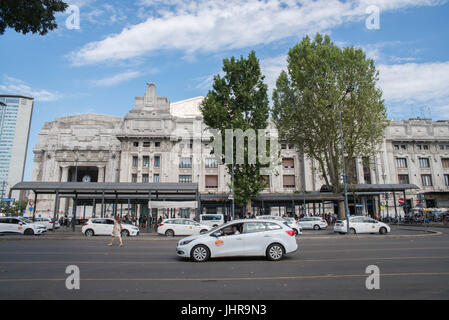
{"x": 361, "y": 224}
{"x": 20, "y": 225}
{"x": 104, "y": 227}
{"x": 181, "y": 227}
{"x": 248, "y": 237}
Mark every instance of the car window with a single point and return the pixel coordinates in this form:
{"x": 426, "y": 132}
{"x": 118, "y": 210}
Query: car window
{"x": 227, "y": 231}
{"x": 358, "y": 219}
{"x": 108, "y": 221}
{"x": 14, "y": 221}
{"x": 272, "y": 226}
{"x": 168, "y": 222}
{"x": 251, "y": 227}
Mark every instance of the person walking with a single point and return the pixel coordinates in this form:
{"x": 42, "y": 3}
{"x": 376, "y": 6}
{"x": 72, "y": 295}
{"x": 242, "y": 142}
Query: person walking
{"x": 117, "y": 231}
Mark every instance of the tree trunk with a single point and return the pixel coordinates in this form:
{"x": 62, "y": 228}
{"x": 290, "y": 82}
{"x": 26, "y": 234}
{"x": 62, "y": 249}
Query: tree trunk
{"x": 249, "y": 207}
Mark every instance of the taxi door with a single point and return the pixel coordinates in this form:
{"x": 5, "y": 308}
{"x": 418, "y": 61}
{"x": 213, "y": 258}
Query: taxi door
{"x": 227, "y": 244}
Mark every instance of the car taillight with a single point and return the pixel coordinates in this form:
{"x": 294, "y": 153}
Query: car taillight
{"x": 85, "y": 224}
{"x": 50, "y": 222}
{"x": 323, "y": 221}
{"x": 160, "y": 225}
{"x": 290, "y": 232}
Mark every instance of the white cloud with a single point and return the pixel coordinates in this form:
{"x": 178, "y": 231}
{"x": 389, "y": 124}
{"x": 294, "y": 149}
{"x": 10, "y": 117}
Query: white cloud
{"x": 410, "y": 85}
{"x": 116, "y": 79}
{"x": 271, "y": 68}
{"x": 15, "y": 86}
{"x": 214, "y": 25}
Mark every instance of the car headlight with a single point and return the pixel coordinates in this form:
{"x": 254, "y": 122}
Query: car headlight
{"x": 183, "y": 243}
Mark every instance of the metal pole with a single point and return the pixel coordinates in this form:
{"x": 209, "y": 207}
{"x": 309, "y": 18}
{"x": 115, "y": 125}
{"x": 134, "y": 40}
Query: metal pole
{"x": 232, "y": 180}
{"x": 73, "y": 211}
{"x": 102, "y": 205}
{"x": 35, "y": 205}
{"x": 56, "y": 209}
{"x": 93, "y": 208}
{"x": 395, "y": 208}
{"x": 344, "y": 171}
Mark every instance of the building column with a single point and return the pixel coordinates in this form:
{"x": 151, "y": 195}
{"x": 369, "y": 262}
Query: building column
{"x": 101, "y": 170}
{"x": 64, "y": 178}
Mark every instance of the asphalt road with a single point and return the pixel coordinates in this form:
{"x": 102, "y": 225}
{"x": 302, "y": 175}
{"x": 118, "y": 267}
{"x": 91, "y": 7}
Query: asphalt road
{"x": 410, "y": 268}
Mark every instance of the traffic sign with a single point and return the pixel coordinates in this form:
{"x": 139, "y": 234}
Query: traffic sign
{"x": 401, "y": 200}
{"x": 31, "y": 203}
{"x": 8, "y": 199}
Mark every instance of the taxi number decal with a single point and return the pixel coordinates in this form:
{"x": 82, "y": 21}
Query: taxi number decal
{"x": 190, "y": 227}
{"x": 20, "y": 228}
{"x": 219, "y": 243}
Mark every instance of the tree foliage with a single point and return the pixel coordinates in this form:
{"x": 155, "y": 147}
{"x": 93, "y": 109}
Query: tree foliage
{"x": 239, "y": 100}
{"x": 36, "y": 16}
{"x": 319, "y": 75}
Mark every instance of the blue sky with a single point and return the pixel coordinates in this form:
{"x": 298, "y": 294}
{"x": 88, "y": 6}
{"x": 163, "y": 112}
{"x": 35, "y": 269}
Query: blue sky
{"x": 180, "y": 45}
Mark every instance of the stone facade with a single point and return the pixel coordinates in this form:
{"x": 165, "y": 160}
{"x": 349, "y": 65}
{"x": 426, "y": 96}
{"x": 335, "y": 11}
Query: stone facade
{"x": 159, "y": 141}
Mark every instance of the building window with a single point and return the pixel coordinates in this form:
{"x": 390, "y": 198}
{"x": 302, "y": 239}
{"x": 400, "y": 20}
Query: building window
{"x": 288, "y": 181}
{"x": 288, "y": 163}
{"x": 441, "y": 146}
{"x": 425, "y": 147}
{"x": 445, "y": 163}
{"x": 446, "y": 180}
{"x": 396, "y": 147}
{"x": 426, "y": 180}
{"x": 401, "y": 162}
{"x": 424, "y": 163}
{"x": 185, "y": 179}
{"x": 403, "y": 147}
{"x": 156, "y": 178}
{"x": 211, "y": 181}
{"x": 146, "y": 161}
{"x": 157, "y": 161}
{"x": 135, "y": 143}
{"x": 185, "y": 163}
{"x": 418, "y": 147}
{"x": 146, "y": 144}
{"x": 145, "y": 178}
{"x": 191, "y": 144}
{"x": 135, "y": 161}
{"x": 211, "y": 163}
{"x": 134, "y": 178}
{"x": 185, "y": 213}
{"x": 283, "y": 146}
{"x": 157, "y": 144}
{"x": 403, "y": 179}
{"x": 266, "y": 180}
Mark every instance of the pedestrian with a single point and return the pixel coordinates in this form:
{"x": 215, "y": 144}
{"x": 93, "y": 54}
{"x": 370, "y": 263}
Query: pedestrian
{"x": 117, "y": 231}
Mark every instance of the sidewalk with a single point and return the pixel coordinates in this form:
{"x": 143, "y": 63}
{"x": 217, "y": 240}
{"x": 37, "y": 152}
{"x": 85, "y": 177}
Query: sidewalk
{"x": 68, "y": 234}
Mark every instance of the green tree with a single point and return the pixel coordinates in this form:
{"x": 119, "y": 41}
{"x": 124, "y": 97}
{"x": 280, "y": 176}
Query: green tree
{"x": 239, "y": 100}
{"x": 36, "y": 16}
{"x": 321, "y": 75}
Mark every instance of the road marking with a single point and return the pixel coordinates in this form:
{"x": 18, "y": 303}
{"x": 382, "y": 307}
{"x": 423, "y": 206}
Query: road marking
{"x": 326, "y": 276}
{"x": 221, "y": 261}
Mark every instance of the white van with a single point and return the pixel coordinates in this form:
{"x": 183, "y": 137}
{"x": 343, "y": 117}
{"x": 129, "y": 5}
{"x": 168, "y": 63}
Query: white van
{"x": 212, "y": 220}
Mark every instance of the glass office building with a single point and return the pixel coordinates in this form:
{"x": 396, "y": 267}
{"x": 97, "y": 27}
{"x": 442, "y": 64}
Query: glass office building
{"x": 15, "y": 121}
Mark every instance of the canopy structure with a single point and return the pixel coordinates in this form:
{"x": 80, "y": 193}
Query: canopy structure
{"x": 92, "y": 193}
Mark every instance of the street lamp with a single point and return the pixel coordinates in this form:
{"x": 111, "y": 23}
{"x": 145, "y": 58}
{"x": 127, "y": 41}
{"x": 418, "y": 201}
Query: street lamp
{"x": 345, "y": 183}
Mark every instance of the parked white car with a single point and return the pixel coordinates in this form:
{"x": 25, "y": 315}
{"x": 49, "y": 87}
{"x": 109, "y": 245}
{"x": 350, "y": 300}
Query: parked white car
{"x": 360, "y": 224}
{"x": 315, "y": 223}
{"x": 248, "y": 237}
{"x": 104, "y": 227}
{"x": 213, "y": 220}
{"x": 47, "y": 222}
{"x": 20, "y": 225}
{"x": 290, "y": 221}
{"x": 181, "y": 227}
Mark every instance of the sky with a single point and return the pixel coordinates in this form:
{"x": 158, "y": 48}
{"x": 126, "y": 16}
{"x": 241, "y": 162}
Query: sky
{"x": 104, "y": 52}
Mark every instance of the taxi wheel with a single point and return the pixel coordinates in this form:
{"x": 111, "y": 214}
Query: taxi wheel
{"x": 352, "y": 231}
{"x": 28, "y": 232}
{"x": 170, "y": 233}
{"x": 383, "y": 230}
{"x": 89, "y": 233}
{"x": 316, "y": 227}
{"x": 200, "y": 253}
{"x": 275, "y": 252}
{"x": 203, "y": 231}
{"x": 296, "y": 232}
{"x": 125, "y": 233}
